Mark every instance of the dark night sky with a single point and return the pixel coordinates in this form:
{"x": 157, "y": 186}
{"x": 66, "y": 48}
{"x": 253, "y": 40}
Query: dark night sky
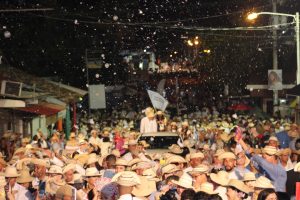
{"x": 53, "y": 43}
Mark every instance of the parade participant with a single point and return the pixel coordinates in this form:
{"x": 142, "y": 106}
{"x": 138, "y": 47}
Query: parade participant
{"x": 72, "y": 143}
{"x": 39, "y": 183}
{"x": 237, "y": 190}
{"x": 284, "y": 157}
{"x": 161, "y": 121}
{"x": 68, "y": 173}
{"x": 173, "y": 127}
{"x": 249, "y": 180}
{"x": 11, "y": 187}
{"x": 120, "y": 165}
{"x": 132, "y": 150}
{"x": 94, "y": 139}
{"x": 148, "y": 123}
{"x": 220, "y": 180}
{"x": 269, "y": 165}
{"x": 229, "y": 162}
{"x": 25, "y": 181}
{"x": 260, "y": 184}
{"x": 196, "y": 159}
{"x": 184, "y": 131}
{"x": 217, "y": 163}
{"x": 267, "y": 194}
{"x": 91, "y": 176}
{"x": 169, "y": 170}
{"x": 273, "y": 141}
{"x": 55, "y": 180}
{"x": 199, "y": 174}
{"x": 126, "y": 181}
{"x": 184, "y": 182}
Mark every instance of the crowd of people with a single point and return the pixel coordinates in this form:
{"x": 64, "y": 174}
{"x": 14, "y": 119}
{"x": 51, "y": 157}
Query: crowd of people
{"x": 217, "y": 156}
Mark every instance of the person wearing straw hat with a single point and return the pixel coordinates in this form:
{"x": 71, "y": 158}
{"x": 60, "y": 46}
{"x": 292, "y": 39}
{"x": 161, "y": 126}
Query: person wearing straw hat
{"x": 24, "y": 180}
{"x": 68, "y": 172}
{"x": 161, "y": 120}
{"x": 217, "y": 163}
{"x": 220, "y": 179}
{"x": 12, "y": 186}
{"x": 91, "y": 177}
{"x": 249, "y": 179}
{"x": 242, "y": 162}
{"x": 40, "y": 170}
{"x": 199, "y": 174}
{"x": 126, "y": 181}
{"x": 148, "y": 123}
{"x": 120, "y": 165}
{"x": 55, "y": 179}
{"x": 94, "y": 139}
{"x": 237, "y": 190}
{"x": 229, "y": 163}
{"x": 269, "y": 165}
{"x": 284, "y": 157}
{"x": 260, "y": 184}
{"x": 169, "y": 170}
{"x": 184, "y": 182}
{"x": 132, "y": 151}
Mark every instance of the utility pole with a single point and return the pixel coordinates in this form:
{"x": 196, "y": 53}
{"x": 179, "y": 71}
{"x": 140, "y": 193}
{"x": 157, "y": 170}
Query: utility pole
{"x": 275, "y": 53}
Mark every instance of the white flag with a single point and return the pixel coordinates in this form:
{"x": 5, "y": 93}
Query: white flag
{"x": 161, "y": 86}
{"x": 158, "y": 101}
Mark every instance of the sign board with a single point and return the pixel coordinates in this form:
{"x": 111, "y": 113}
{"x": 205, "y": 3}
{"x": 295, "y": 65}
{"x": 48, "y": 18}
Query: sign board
{"x": 97, "y": 97}
{"x": 274, "y": 79}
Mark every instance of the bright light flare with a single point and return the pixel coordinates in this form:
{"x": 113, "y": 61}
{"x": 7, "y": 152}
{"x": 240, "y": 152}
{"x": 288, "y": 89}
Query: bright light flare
{"x": 252, "y": 16}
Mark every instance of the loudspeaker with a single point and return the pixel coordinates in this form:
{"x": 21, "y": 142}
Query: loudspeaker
{"x": 97, "y": 97}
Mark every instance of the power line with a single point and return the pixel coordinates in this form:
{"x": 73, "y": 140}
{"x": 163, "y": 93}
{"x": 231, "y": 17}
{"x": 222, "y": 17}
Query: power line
{"x": 26, "y": 10}
{"x": 262, "y": 28}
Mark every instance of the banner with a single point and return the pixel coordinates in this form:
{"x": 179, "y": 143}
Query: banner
{"x": 158, "y": 101}
{"x": 275, "y": 79}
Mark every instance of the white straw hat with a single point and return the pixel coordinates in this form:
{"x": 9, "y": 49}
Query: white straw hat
{"x": 263, "y": 182}
{"x": 24, "y": 177}
{"x": 54, "y": 169}
{"x": 185, "y": 181}
{"x": 11, "y": 172}
{"x": 221, "y": 178}
{"x": 126, "y": 178}
{"x": 92, "y": 171}
{"x": 207, "y": 188}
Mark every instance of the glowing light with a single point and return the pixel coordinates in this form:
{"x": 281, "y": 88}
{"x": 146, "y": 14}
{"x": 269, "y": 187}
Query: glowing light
{"x": 252, "y": 16}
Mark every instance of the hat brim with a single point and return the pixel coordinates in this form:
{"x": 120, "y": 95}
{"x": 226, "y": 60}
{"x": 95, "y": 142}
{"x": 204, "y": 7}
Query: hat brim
{"x": 209, "y": 192}
{"x": 182, "y": 185}
{"x": 217, "y": 180}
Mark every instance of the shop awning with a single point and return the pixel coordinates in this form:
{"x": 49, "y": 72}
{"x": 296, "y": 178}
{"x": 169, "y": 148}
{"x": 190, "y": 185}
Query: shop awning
{"x": 42, "y": 109}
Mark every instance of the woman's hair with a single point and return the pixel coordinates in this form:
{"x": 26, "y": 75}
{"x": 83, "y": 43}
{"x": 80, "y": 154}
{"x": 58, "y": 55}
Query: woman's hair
{"x": 201, "y": 196}
{"x": 243, "y": 195}
{"x": 265, "y": 193}
{"x": 215, "y": 197}
{"x": 188, "y": 194}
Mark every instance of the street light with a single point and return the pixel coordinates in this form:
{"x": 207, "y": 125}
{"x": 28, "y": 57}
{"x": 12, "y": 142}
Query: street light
{"x": 252, "y": 16}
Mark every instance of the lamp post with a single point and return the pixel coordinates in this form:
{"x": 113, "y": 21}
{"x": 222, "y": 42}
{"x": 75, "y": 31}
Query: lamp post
{"x": 194, "y": 43}
{"x": 296, "y": 19}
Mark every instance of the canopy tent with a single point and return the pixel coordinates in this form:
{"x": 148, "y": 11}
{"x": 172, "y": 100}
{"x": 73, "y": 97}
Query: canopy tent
{"x": 295, "y": 91}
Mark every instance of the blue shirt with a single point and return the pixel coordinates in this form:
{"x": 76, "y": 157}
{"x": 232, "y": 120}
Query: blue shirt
{"x": 284, "y": 139}
{"x": 275, "y": 172}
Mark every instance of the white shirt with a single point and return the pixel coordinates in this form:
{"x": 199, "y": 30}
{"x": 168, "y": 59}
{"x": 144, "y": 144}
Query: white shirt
{"x": 222, "y": 192}
{"x": 128, "y": 156}
{"x": 148, "y": 126}
{"x": 96, "y": 140}
{"x": 23, "y": 194}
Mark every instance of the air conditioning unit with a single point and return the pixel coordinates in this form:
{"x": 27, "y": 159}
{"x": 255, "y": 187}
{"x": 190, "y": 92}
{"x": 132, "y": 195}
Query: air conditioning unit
{"x": 11, "y": 88}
